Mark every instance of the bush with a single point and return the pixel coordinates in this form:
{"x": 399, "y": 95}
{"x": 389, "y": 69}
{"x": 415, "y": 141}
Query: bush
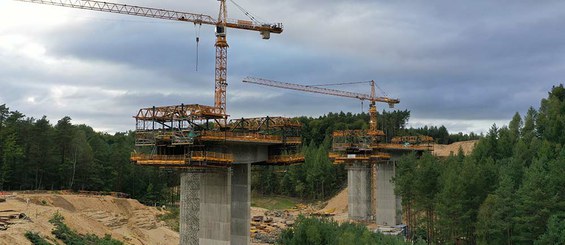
{"x": 36, "y": 239}
{"x": 70, "y": 237}
{"x": 312, "y": 231}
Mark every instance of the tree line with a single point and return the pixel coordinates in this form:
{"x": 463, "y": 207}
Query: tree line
{"x": 317, "y": 178}
{"x": 510, "y": 190}
{"x": 36, "y": 155}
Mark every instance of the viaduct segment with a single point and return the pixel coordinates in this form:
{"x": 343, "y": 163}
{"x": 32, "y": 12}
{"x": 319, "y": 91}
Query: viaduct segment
{"x": 370, "y": 161}
{"x": 215, "y": 159}
{"x": 371, "y": 164}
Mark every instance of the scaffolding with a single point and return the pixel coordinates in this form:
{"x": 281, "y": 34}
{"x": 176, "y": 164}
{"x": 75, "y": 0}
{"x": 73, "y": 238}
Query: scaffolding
{"x": 365, "y": 146}
{"x": 195, "y": 135}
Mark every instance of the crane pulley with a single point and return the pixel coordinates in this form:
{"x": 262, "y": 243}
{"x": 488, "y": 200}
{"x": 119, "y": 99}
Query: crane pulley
{"x": 221, "y": 23}
{"x": 313, "y": 89}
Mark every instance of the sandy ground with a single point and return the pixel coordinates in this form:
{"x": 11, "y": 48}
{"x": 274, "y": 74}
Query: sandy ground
{"x": 339, "y": 204}
{"x": 125, "y": 219}
{"x": 446, "y": 150}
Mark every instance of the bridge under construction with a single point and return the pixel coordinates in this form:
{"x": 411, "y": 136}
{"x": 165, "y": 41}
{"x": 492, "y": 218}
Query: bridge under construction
{"x": 369, "y": 159}
{"x": 215, "y": 160}
{"x": 215, "y": 154}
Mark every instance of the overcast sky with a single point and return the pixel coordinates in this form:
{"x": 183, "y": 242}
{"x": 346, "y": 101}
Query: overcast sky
{"x": 462, "y": 64}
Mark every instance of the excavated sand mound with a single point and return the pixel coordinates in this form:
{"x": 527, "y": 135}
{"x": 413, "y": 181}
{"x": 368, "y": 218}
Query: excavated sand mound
{"x": 446, "y": 150}
{"x": 339, "y": 204}
{"x": 125, "y": 219}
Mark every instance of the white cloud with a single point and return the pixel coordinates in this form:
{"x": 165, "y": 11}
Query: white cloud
{"x": 455, "y": 126}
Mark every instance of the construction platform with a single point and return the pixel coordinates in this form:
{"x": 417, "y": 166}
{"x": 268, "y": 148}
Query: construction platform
{"x": 365, "y": 146}
{"x": 199, "y": 136}
{"x": 214, "y": 157}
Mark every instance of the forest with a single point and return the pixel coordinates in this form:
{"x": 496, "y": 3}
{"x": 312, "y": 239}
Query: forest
{"x": 510, "y": 190}
{"x": 318, "y": 178}
{"x": 36, "y": 154}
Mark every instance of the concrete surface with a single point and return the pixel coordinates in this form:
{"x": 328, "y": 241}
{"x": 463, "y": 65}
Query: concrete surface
{"x": 359, "y": 196}
{"x": 388, "y": 204}
{"x": 240, "y": 204}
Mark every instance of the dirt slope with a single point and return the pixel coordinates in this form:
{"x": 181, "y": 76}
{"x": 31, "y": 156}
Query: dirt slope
{"x": 446, "y": 150}
{"x": 339, "y": 204}
{"x": 124, "y": 219}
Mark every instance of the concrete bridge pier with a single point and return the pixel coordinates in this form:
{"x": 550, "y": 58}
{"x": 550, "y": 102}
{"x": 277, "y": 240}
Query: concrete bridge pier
{"x": 215, "y": 203}
{"x": 389, "y": 209}
{"x": 240, "y": 204}
{"x": 205, "y": 207}
{"x": 215, "y": 207}
{"x": 359, "y": 191}
{"x": 189, "y": 221}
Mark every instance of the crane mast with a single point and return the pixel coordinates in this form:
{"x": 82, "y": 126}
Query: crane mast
{"x": 313, "y": 89}
{"x": 221, "y": 24}
{"x": 221, "y": 69}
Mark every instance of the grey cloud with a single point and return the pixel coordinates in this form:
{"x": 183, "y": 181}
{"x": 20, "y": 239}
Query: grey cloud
{"x": 445, "y": 59}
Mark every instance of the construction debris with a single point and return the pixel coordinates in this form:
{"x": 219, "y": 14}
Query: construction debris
{"x": 10, "y": 219}
{"x": 266, "y": 225}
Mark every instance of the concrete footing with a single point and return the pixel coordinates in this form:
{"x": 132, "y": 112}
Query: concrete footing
{"x": 389, "y": 211}
{"x": 359, "y": 191}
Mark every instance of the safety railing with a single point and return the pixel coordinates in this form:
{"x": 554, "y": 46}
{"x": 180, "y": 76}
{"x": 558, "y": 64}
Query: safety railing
{"x": 195, "y": 156}
{"x": 211, "y": 156}
{"x": 340, "y": 158}
{"x": 294, "y": 158}
{"x": 248, "y": 137}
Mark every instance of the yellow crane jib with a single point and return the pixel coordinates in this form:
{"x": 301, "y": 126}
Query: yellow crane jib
{"x": 313, "y": 89}
{"x": 221, "y": 23}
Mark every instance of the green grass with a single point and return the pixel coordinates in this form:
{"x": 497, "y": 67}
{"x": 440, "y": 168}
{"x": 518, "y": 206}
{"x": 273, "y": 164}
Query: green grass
{"x": 171, "y": 218}
{"x": 273, "y": 202}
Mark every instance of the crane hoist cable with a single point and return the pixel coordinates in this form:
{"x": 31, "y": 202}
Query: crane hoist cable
{"x": 197, "y": 31}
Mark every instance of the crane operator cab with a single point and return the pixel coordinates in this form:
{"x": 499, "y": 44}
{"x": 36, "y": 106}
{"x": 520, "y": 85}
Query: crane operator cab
{"x": 220, "y": 31}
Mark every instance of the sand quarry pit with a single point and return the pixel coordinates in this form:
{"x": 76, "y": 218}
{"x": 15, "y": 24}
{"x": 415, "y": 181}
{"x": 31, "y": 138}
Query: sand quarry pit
{"x": 124, "y": 219}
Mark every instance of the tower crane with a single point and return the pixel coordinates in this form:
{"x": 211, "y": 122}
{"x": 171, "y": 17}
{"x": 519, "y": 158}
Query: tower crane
{"x": 313, "y": 89}
{"x": 221, "y": 23}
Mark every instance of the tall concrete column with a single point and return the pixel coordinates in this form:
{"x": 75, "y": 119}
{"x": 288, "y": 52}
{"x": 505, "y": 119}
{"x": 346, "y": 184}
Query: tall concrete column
{"x": 215, "y": 208}
{"x": 189, "y": 208}
{"x": 388, "y": 204}
{"x": 240, "y": 204}
{"x": 359, "y": 191}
